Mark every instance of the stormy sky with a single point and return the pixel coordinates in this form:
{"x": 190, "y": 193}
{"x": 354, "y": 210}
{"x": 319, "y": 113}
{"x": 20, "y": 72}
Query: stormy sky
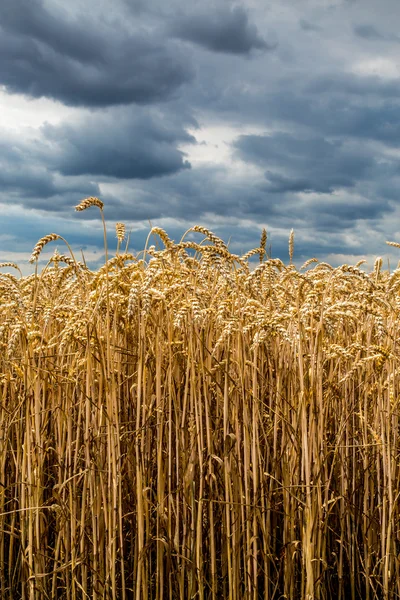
{"x": 233, "y": 115}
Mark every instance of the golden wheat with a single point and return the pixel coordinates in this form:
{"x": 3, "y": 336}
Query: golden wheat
{"x": 183, "y": 424}
{"x": 41, "y": 243}
{"x": 120, "y": 231}
{"x": 88, "y": 202}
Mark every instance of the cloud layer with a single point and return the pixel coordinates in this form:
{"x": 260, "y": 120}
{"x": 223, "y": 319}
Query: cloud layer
{"x": 233, "y": 114}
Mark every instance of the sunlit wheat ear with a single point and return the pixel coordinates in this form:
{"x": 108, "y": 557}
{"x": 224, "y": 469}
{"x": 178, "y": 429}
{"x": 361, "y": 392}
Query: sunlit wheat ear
{"x": 210, "y": 235}
{"x": 9, "y": 264}
{"x": 360, "y": 262}
{"x": 120, "y": 231}
{"x": 41, "y": 243}
{"x": 395, "y": 244}
{"x": 163, "y": 236}
{"x": 251, "y": 252}
{"x": 308, "y": 262}
{"x": 88, "y": 202}
{"x": 291, "y": 245}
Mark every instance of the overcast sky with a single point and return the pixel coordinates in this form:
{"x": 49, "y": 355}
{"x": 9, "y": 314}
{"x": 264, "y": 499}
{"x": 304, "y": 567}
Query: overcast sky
{"x": 233, "y": 115}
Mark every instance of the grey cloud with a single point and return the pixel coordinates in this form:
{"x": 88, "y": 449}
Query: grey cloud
{"x": 187, "y": 195}
{"x": 388, "y": 188}
{"x": 321, "y": 106}
{"x": 324, "y": 213}
{"x": 204, "y": 194}
{"x": 85, "y": 61}
{"x": 329, "y": 211}
{"x": 31, "y": 181}
{"x": 346, "y": 84}
{"x": 380, "y": 122}
{"x": 368, "y": 32}
{"x": 371, "y": 33}
{"x": 221, "y": 30}
{"x": 308, "y": 26}
{"x": 31, "y": 226}
{"x": 31, "y": 19}
{"x": 278, "y": 183}
{"x": 118, "y": 145}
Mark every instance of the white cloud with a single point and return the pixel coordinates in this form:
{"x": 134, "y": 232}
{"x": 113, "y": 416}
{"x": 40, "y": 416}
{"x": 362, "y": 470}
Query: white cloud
{"x": 214, "y": 147}
{"x": 380, "y": 66}
{"x": 20, "y": 112}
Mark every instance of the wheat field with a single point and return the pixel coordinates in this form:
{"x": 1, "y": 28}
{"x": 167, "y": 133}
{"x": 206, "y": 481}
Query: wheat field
{"x": 185, "y": 423}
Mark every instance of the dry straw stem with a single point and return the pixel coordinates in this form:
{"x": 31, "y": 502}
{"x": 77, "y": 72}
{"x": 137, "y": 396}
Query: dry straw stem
{"x": 291, "y": 245}
{"x": 191, "y": 427}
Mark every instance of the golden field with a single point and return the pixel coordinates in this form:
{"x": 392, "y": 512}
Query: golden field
{"x": 182, "y": 425}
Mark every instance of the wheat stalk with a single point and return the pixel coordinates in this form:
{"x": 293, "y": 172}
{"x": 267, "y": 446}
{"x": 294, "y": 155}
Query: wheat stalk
{"x": 291, "y": 245}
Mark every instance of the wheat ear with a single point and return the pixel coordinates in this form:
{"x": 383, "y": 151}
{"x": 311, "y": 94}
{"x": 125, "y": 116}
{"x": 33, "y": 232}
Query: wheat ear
{"x": 88, "y": 202}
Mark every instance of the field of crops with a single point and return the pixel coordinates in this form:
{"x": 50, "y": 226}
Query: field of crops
{"x": 188, "y": 423}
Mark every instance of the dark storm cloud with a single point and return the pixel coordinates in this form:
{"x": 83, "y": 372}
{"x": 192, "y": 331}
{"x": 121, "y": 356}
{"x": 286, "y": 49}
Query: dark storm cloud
{"x": 327, "y": 212}
{"x": 119, "y": 145}
{"x": 25, "y": 180}
{"x": 342, "y": 105}
{"x": 304, "y": 164}
{"x": 85, "y": 61}
{"x": 221, "y": 30}
{"x": 336, "y": 113}
{"x": 36, "y": 182}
